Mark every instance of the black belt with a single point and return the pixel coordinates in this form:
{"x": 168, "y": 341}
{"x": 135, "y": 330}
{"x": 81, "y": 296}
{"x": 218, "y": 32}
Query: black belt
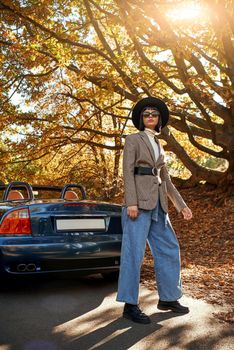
{"x": 145, "y": 171}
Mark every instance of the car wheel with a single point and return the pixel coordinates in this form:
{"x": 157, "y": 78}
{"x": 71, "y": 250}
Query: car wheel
{"x": 111, "y": 276}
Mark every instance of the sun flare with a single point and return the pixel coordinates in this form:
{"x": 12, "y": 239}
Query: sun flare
{"x": 185, "y": 12}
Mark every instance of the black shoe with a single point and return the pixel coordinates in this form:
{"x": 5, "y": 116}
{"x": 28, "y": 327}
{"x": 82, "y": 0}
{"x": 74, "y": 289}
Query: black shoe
{"x": 174, "y": 306}
{"x": 133, "y": 313}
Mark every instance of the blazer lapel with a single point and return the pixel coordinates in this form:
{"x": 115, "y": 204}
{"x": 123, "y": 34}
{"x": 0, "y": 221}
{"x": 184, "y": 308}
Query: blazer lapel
{"x": 160, "y": 161}
{"x": 148, "y": 144}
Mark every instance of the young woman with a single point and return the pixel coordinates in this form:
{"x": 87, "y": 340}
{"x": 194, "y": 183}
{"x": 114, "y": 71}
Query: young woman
{"x": 147, "y": 186}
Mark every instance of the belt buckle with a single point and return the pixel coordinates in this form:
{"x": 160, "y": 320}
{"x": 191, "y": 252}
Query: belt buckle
{"x": 154, "y": 170}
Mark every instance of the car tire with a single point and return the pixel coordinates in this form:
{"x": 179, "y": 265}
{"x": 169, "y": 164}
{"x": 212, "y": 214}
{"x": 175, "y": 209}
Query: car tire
{"x": 111, "y": 276}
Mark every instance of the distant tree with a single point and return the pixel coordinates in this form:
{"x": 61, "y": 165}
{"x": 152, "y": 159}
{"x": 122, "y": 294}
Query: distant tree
{"x": 79, "y": 63}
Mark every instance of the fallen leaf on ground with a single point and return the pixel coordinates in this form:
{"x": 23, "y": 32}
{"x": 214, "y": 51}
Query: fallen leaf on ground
{"x": 207, "y": 249}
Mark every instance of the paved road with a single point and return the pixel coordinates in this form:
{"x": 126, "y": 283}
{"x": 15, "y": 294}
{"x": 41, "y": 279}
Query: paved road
{"x": 82, "y": 314}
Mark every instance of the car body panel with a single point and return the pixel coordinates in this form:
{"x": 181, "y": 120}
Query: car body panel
{"x": 69, "y": 248}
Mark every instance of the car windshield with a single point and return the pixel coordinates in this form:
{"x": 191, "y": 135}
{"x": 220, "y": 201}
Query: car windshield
{"x": 46, "y": 194}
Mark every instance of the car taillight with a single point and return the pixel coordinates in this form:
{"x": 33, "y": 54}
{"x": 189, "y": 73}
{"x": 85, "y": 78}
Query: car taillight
{"x": 16, "y": 222}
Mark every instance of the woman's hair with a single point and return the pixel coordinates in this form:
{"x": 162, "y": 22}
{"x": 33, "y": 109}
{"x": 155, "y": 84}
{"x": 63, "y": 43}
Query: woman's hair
{"x": 158, "y": 127}
{"x": 141, "y": 123}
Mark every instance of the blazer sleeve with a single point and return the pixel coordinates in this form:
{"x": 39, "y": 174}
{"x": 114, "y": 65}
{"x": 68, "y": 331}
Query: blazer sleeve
{"x": 172, "y": 192}
{"x": 129, "y": 158}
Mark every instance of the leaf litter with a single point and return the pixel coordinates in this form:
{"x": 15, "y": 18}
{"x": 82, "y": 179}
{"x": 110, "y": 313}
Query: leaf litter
{"x": 207, "y": 249}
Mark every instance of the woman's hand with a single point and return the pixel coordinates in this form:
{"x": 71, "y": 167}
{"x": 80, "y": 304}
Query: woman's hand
{"x": 187, "y": 213}
{"x": 132, "y": 212}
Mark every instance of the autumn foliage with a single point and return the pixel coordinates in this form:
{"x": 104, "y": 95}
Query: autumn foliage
{"x": 71, "y": 71}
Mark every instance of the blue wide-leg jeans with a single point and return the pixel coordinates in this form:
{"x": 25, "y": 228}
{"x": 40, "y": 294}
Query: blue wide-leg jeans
{"x": 153, "y": 226}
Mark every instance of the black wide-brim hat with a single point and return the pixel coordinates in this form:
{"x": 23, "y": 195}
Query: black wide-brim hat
{"x": 150, "y": 102}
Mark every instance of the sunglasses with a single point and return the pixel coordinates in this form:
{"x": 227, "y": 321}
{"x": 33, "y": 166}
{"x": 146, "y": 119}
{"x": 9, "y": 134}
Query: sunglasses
{"x": 154, "y": 114}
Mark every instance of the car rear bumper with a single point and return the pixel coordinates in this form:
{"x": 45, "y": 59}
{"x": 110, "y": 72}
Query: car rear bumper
{"x": 29, "y": 258}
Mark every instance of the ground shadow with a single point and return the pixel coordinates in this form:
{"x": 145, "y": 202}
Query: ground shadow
{"x": 56, "y": 314}
{"x": 32, "y": 308}
{"x": 119, "y": 334}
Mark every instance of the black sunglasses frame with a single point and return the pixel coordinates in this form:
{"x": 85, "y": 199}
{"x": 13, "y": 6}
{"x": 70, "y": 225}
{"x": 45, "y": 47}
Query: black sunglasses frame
{"x": 153, "y": 114}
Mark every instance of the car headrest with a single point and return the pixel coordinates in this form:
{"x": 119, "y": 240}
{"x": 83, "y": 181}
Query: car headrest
{"x": 70, "y": 195}
{"x": 14, "y": 195}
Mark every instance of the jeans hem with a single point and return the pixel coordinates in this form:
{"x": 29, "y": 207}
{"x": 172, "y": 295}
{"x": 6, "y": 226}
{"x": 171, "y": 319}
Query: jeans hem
{"x": 126, "y": 301}
{"x": 171, "y": 299}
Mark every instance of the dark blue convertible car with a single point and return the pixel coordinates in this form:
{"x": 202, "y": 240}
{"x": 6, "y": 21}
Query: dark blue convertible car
{"x": 52, "y": 229}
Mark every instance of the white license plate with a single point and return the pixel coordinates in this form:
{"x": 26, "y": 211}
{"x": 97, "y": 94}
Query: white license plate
{"x": 80, "y": 224}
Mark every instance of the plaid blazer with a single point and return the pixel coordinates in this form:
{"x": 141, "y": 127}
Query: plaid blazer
{"x": 145, "y": 190}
